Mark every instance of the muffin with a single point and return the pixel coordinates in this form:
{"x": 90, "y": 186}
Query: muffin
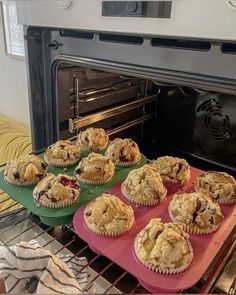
{"x": 63, "y": 153}
{"x": 219, "y": 186}
{"x": 56, "y": 191}
{"x": 163, "y": 247}
{"x": 92, "y": 139}
{"x": 26, "y": 170}
{"x": 172, "y": 169}
{"x": 123, "y": 152}
{"x": 95, "y": 169}
{"x": 107, "y": 215}
{"x": 143, "y": 186}
{"x": 195, "y": 212}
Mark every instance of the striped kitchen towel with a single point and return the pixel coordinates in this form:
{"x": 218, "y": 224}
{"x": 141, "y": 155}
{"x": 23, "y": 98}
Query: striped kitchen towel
{"x": 29, "y": 268}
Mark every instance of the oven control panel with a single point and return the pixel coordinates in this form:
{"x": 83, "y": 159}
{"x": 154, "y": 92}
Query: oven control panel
{"x": 154, "y": 9}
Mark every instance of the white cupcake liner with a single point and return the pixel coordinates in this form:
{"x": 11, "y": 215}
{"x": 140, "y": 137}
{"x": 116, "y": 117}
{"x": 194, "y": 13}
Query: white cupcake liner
{"x": 225, "y": 201}
{"x": 109, "y": 234}
{"x": 27, "y": 183}
{"x": 55, "y": 163}
{"x": 93, "y": 182}
{"x": 166, "y": 271}
{"x": 193, "y": 229}
{"x": 127, "y": 164}
{"x": 144, "y": 203}
{"x": 49, "y": 204}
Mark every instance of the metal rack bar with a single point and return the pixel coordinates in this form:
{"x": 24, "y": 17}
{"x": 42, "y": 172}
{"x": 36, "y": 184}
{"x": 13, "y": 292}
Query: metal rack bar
{"x": 108, "y": 113}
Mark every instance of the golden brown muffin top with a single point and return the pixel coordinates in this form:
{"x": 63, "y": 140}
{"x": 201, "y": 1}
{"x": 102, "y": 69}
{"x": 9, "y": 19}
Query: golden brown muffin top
{"x": 163, "y": 245}
{"x": 25, "y": 169}
{"x": 195, "y": 210}
{"x": 56, "y": 188}
{"x": 144, "y": 185}
{"x": 219, "y": 186}
{"x": 94, "y": 167}
{"x": 123, "y": 151}
{"x": 62, "y": 150}
{"x": 172, "y": 169}
{"x": 93, "y": 139}
{"x": 108, "y": 214}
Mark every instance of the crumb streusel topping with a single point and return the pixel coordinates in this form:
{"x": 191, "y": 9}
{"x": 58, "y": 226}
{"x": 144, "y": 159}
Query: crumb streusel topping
{"x": 95, "y": 167}
{"x": 172, "y": 169}
{"x": 219, "y": 186}
{"x": 163, "y": 245}
{"x": 56, "y": 189}
{"x": 93, "y": 139}
{"x": 25, "y": 169}
{"x": 62, "y": 151}
{"x": 195, "y": 210}
{"x": 108, "y": 214}
{"x": 144, "y": 185}
{"x": 123, "y": 151}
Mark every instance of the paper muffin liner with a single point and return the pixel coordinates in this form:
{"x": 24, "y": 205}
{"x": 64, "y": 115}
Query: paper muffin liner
{"x": 110, "y": 234}
{"x": 49, "y": 204}
{"x": 27, "y": 183}
{"x": 55, "y": 163}
{"x": 143, "y": 203}
{"x": 193, "y": 229}
{"x": 225, "y": 201}
{"x": 165, "y": 270}
{"x": 127, "y": 164}
{"x": 93, "y": 182}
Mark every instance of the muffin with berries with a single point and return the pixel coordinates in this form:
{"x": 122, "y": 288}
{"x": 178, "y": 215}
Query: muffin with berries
{"x": 144, "y": 187}
{"x": 92, "y": 140}
{"x": 219, "y": 186}
{"x": 95, "y": 169}
{"x": 26, "y": 170}
{"x": 163, "y": 247}
{"x": 172, "y": 170}
{"x": 107, "y": 215}
{"x": 195, "y": 212}
{"x": 63, "y": 153}
{"x": 56, "y": 191}
{"x": 123, "y": 152}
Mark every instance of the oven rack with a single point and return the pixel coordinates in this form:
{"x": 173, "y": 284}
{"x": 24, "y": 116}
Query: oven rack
{"x": 105, "y": 276}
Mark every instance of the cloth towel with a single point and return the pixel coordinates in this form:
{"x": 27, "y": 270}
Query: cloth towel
{"x": 29, "y": 268}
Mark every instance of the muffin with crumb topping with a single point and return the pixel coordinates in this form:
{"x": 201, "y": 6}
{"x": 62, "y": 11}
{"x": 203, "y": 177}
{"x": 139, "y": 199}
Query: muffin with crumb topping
{"x": 144, "y": 187}
{"x": 56, "y": 191}
{"x": 219, "y": 186}
{"x": 63, "y": 153}
{"x": 172, "y": 169}
{"x": 163, "y": 247}
{"x": 107, "y": 215}
{"x": 92, "y": 139}
{"x": 95, "y": 169}
{"x": 26, "y": 170}
{"x": 195, "y": 212}
{"x": 123, "y": 152}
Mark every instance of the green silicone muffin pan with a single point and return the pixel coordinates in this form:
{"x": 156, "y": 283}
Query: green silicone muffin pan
{"x": 61, "y": 216}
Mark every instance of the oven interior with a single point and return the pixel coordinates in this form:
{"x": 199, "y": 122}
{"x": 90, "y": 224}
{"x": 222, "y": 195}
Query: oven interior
{"x": 162, "y": 118}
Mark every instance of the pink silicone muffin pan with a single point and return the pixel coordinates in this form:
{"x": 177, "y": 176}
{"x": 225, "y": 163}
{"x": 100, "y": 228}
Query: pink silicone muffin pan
{"x": 121, "y": 250}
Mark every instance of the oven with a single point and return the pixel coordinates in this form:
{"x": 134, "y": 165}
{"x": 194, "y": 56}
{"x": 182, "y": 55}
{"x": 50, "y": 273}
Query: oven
{"x": 173, "y": 91}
